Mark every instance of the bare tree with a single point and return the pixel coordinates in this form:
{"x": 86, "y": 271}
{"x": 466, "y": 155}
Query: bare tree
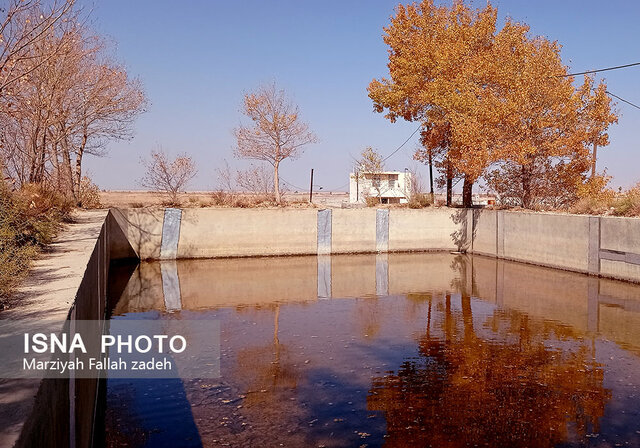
{"x": 167, "y": 175}
{"x": 256, "y": 179}
{"x": 71, "y": 103}
{"x": 23, "y": 24}
{"x": 276, "y": 134}
{"x": 226, "y": 177}
{"x": 370, "y": 166}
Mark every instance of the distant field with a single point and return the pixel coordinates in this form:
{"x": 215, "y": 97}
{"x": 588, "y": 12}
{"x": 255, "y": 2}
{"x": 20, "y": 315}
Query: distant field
{"x": 138, "y": 198}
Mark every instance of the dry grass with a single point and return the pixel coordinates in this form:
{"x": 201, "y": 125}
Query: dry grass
{"x": 29, "y": 219}
{"x": 607, "y": 202}
{"x": 420, "y": 200}
{"x": 140, "y": 199}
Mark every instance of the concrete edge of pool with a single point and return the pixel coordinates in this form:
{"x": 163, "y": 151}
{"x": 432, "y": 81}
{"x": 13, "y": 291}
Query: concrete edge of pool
{"x": 79, "y": 263}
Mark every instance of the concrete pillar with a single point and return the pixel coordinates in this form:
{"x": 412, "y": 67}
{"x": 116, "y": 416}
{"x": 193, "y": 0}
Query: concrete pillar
{"x": 170, "y": 233}
{"x": 594, "y": 245}
{"x": 382, "y": 230}
{"x": 468, "y": 244}
{"x": 324, "y": 231}
{"x": 500, "y": 234}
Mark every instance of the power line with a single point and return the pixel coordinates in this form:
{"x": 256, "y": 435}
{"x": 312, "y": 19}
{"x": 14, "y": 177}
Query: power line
{"x": 291, "y": 185}
{"x": 622, "y": 99}
{"x": 400, "y": 147}
{"x": 599, "y": 70}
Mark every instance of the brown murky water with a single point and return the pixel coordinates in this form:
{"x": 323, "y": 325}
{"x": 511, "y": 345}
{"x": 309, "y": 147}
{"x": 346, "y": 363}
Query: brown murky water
{"x": 397, "y": 350}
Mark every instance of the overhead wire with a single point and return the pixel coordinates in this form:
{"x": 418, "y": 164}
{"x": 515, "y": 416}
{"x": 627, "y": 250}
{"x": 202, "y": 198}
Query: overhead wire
{"x": 622, "y": 99}
{"x": 387, "y": 157}
{"x": 586, "y": 72}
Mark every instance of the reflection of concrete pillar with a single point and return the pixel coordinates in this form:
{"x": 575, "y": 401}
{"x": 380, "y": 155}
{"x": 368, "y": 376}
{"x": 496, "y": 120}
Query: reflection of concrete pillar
{"x": 170, "y": 233}
{"x": 382, "y": 230}
{"x": 593, "y": 306}
{"x": 382, "y": 275}
{"x": 324, "y": 276}
{"x": 499, "y": 283}
{"x": 170, "y": 285}
{"x": 324, "y": 231}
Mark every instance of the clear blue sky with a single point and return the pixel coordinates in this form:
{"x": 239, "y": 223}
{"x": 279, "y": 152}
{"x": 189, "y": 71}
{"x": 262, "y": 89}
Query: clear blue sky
{"x": 197, "y": 58}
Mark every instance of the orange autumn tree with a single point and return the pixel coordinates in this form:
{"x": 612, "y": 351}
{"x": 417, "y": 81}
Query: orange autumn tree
{"x": 553, "y": 171}
{"x": 540, "y": 137}
{"x": 492, "y": 103}
{"x": 438, "y": 61}
{"x": 596, "y": 116}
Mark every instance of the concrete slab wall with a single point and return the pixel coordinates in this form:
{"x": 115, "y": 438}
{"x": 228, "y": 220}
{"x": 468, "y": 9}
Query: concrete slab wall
{"x": 353, "y": 230}
{"x": 485, "y": 232}
{"x": 142, "y": 229}
{"x": 208, "y": 233}
{"x": 547, "y": 239}
{"x": 598, "y": 246}
{"x": 619, "y": 252}
{"x": 425, "y": 230}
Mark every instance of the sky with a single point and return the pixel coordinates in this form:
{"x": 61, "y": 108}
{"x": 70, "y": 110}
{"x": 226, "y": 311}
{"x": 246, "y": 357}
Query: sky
{"x": 196, "y": 60}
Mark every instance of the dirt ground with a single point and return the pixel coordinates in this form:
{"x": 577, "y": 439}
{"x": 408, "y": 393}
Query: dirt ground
{"x": 141, "y": 198}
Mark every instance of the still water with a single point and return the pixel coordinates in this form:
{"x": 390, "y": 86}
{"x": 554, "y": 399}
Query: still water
{"x": 397, "y": 350}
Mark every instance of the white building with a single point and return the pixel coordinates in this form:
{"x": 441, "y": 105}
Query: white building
{"x": 392, "y": 187}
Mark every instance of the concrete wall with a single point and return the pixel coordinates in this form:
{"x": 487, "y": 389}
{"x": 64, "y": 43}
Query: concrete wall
{"x": 620, "y": 248}
{"x": 142, "y": 229}
{"x": 63, "y": 410}
{"x": 602, "y": 246}
{"x": 427, "y": 230}
{"x": 207, "y": 233}
{"x": 555, "y": 240}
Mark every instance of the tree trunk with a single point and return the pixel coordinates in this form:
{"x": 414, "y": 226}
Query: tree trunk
{"x": 276, "y": 182}
{"x": 66, "y": 161}
{"x": 467, "y": 190}
{"x": 593, "y": 161}
{"x": 431, "y": 178}
{"x": 78, "y": 174}
{"x": 526, "y": 187}
{"x": 449, "y": 186}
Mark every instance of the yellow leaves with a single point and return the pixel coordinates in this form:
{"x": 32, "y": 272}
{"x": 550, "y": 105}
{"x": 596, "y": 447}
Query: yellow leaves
{"x": 483, "y": 95}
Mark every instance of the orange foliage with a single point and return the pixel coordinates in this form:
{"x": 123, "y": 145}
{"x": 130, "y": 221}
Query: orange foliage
{"x": 488, "y": 96}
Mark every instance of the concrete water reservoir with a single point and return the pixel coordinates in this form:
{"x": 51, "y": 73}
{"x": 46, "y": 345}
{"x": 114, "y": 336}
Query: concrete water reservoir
{"x": 350, "y": 340}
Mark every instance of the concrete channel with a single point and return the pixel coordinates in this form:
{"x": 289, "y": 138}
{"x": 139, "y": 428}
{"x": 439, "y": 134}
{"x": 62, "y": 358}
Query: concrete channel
{"x": 71, "y": 281}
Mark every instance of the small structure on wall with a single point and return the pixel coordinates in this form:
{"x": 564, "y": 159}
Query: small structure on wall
{"x": 390, "y": 187}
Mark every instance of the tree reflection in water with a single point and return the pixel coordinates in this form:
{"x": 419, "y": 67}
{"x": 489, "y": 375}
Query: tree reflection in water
{"x": 499, "y": 383}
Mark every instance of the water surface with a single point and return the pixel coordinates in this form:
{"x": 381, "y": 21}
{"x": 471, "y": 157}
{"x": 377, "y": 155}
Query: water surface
{"x": 395, "y": 350}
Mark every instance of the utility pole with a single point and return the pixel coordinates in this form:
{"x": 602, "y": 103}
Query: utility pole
{"x": 593, "y": 162}
{"x": 311, "y": 188}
